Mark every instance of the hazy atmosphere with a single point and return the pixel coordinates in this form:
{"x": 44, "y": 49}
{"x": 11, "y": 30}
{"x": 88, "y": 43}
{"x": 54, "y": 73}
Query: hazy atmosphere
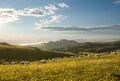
{"x": 35, "y": 21}
{"x": 59, "y": 40}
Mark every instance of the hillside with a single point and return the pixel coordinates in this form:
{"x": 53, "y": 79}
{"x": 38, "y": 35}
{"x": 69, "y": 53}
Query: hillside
{"x": 94, "y": 47}
{"x": 4, "y": 43}
{"x": 57, "y": 44}
{"x": 105, "y": 68}
{"x": 72, "y": 46}
{"x": 17, "y": 53}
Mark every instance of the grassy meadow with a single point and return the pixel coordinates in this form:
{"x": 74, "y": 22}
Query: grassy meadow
{"x": 20, "y": 53}
{"x": 105, "y": 68}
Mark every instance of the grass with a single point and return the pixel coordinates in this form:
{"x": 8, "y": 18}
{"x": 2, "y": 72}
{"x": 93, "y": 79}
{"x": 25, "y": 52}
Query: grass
{"x": 106, "y": 68}
{"x": 19, "y": 53}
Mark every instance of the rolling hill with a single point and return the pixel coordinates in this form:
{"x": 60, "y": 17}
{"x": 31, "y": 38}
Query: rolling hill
{"x": 73, "y": 46}
{"x": 57, "y": 44}
{"x": 18, "y": 53}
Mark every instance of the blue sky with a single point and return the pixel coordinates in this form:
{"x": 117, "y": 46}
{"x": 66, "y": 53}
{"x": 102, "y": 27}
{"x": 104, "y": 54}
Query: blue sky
{"x": 32, "y": 21}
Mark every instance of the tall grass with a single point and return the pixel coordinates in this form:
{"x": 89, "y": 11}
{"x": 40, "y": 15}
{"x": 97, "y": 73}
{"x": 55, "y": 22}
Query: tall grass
{"x": 106, "y": 68}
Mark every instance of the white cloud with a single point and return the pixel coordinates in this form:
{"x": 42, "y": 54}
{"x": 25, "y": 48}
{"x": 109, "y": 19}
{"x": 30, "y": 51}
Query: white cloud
{"x": 39, "y": 12}
{"x": 8, "y": 15}
{"x": 82, "y": 29}
{"x": 63, "y": 5}
{"x": 46, "y": 23}
{"x": 50, "y": 9}
{"x": 57, "y": 18}
{"x": 117, "y": 2}
{"x": 36, "y": 12}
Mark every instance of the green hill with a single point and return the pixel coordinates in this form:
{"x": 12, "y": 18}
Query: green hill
{"x": 57, "y": 44}
{"x": 90, "y": 47}
{"x": 73, "y": 46}
{"x": 4, "y": 43}
{"x": 94, "y": 47}
{"x": 17, "y": 53}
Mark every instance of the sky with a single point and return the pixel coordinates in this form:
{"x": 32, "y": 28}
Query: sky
{"x": 36, "y": 21}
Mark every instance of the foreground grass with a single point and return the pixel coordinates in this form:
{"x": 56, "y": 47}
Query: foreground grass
{"x": 105, "y": 68}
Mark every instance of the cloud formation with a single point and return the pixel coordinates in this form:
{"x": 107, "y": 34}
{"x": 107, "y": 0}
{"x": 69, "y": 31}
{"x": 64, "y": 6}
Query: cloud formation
{"x": 38, "y": 12}
{"x": 50, "y": 9}
{"x": 117, "y": 2}
{"x": 63, "y": 5}
{"x": 8, "y": 15}
{"x": 45, "y": 23}
{"x": 77, "y": 28}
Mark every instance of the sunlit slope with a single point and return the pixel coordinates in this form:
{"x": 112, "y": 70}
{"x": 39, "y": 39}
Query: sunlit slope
{"x": 106, "y": 68}
{"x": 25, "y": 53}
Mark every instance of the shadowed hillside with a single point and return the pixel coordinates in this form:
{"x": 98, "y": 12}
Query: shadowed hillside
{"x": 4, "y": 43}
{"x": 17, "y": 53}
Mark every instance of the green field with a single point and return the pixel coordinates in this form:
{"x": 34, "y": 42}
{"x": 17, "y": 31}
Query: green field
{"x": 105, "y": 68}
{"x": 20, "y": 53}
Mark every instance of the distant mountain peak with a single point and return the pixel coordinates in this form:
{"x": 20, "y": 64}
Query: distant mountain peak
{"x": 59, "y": 44}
